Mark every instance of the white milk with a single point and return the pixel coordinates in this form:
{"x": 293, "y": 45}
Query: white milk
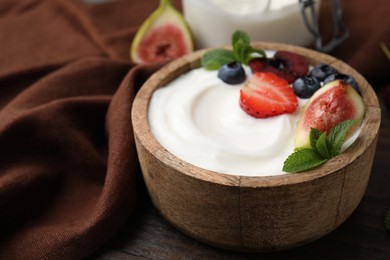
{"x": 213, "y": 21}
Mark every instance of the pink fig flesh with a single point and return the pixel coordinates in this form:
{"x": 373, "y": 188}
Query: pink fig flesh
{"x": 335, "y": 102}
{"x": 164, "y": 42}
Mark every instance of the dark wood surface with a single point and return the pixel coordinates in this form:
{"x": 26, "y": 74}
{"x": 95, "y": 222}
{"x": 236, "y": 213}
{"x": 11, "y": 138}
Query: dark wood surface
{"x": 363, "y": 236}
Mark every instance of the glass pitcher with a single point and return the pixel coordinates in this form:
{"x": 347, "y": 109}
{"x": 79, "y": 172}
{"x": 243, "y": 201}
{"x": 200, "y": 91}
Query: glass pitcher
{"x": 285, "y": 21}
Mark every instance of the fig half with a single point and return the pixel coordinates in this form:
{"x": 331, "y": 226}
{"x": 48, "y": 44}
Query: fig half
{"x": 164, "y": 35}
{"x": 335, "y": 102}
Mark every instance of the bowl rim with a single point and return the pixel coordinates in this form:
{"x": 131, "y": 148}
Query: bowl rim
{"x": 142, "y": 131}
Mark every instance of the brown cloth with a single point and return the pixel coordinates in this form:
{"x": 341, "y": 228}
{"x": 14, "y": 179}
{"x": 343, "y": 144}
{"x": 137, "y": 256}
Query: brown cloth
{"x": 68, "y": 165}
{"x": 369, "y": 26}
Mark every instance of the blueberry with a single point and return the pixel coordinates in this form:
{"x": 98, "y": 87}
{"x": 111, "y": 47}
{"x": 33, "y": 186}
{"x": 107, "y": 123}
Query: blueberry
{"x": 305, "y": 86}
{"x": 232, "y": 73}
{"x": 346, "y": 78}
{"x": 322, "y": 71}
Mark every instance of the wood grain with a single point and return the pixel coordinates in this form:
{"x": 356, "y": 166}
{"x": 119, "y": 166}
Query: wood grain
{"x": 255, "y": 213}
{"x": 147, "y": 235}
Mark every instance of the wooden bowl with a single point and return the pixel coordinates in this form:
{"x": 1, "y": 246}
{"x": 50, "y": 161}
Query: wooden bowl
{"x": 255, "y": 213}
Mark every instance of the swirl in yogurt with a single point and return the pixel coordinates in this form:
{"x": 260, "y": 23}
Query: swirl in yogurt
{"x": 197, "y": 117}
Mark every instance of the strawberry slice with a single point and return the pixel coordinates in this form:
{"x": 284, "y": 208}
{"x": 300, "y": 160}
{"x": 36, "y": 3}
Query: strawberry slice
{"x": 266, "y": 94}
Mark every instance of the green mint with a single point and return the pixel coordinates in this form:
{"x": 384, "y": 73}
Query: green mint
{"x": 314, "y": 135}
{"x": 214, "y": 59}
{"x": 337, "y": 136}
{"x": 323, "y": 148}
{"x": 242, "y": 52}
{"x": 302, "y": 160}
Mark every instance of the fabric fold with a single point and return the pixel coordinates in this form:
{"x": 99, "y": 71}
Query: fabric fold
{"x": 54, "y": 160}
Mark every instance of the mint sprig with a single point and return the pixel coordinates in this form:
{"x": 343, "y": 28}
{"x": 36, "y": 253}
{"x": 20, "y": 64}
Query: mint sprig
{"x": 214, "y": 59}
{"x": 303, "y": 159}
{"x": 323, "y": 148}
{"x": 242, "y": 52}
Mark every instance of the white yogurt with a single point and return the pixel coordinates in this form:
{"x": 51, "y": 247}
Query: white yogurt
{"x": 197, "y": 117}
{"x": 213, "y": 21}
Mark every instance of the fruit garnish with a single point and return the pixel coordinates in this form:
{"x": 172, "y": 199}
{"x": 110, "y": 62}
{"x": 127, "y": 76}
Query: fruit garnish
{"x": 270, "y": 65}
{"x": 258, "y": 64}
{"x": 213, "y": 60}
{"x": 285, "y": 64}
{"x": 335, "y": 102}
{"x": 323, "y": 146}
{"x": 322, "y": 71}
{"x": 305, "y": 86}
{"x": 163, "y": 35}
{"x": 293, "y": 63}
{"x": 265, "y": 95}
{"x": 344, "y": 77}
{"x": 242, "y": 52}
{"x": 232, "y": 73}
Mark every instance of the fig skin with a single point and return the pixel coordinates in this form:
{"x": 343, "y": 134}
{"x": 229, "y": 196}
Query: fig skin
{"x": 335, "y": 102}
{"x": 164, "y": 35}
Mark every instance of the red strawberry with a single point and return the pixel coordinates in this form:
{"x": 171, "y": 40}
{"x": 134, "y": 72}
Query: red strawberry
{"x": 266, "y": 94}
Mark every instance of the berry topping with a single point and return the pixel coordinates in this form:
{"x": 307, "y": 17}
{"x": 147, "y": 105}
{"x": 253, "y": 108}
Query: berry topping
{"x": 293, "y": 63}
{"x": 306, "y": 86}
{"x": 286, "y": 65}
{"x": 258, "y": 64}
{"x": 266, "y": 94}
{"x": 271, "y": 65}
{"x": 322, "y": 71}
{"x": 346, "y": 78}
{"x": 232, "y": 73}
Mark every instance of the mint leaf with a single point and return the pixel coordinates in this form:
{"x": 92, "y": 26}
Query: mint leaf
{"x": 242, "y": 52}
{"x": 337, "y": 136}
{"x": 314, "y": 135}
{"x": 302, "y": 160}
{"x": 214, "y": 59}
{"x": 240, "y": 36}
{"x": 258, "y": 51}
{"x": 322, "y": 146}
{"x": 387, "y": 220}
{"x": 241, "y": 49}
{"x": 241, "y": 46}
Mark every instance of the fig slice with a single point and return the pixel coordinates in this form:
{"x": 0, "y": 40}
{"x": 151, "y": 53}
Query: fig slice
{"x": 164, "y": 35}
{"x": 335, "y": 102}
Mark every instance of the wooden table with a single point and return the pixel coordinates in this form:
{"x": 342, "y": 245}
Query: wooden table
{"x": 363, "y": 236}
